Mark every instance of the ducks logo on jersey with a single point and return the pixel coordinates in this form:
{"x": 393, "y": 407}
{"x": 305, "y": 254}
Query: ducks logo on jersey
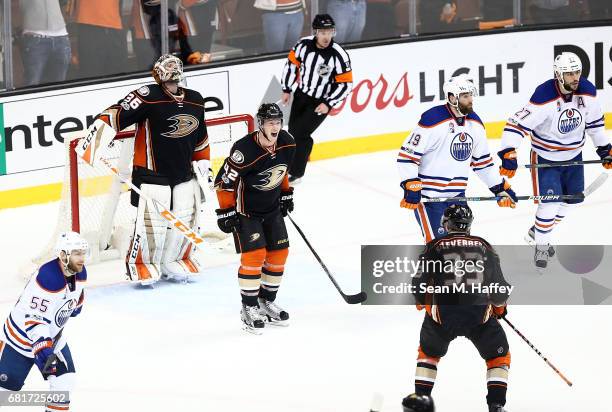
{"x": 461, "y": 147}
{"x": 569, "y": 121}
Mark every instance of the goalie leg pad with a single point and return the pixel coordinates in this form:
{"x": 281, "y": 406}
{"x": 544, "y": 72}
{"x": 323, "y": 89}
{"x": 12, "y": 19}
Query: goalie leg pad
{"x": 178, "y": 260}
{"x": 145, "y": 252}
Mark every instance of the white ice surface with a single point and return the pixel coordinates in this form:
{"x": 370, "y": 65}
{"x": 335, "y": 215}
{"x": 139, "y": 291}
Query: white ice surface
{"x": 179, "y": 347}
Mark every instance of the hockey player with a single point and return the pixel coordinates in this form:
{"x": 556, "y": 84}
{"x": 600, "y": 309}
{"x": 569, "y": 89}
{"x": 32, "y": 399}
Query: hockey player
{"x": 556, "y": 118}
{"x": 470, "y": 313}
{"x": 170, "y": 135}
{"x": 32, "y": 333}
{"x": 254, "y": 196}
{"x": 435, "y": 159}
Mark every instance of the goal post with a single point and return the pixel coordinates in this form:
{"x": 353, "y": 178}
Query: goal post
{"x": 96, "y": 203}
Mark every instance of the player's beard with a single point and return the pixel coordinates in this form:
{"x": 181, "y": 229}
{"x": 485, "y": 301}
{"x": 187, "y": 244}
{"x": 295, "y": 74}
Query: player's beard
{"x": 570, "y": 87}
{"x": 74, "y": 268}
{"x": 466, "y": 109}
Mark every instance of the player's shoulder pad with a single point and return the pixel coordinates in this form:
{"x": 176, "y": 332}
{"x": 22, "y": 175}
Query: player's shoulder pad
{"x": 244, "y": 151}
{"x": 545, "y": 92}
{"x": 586, "y": 87}
{"x": 50, "y": 277}
{"x": 475, "y": 117}
{"x": 82, "y": 275}
{"x": 434, "y": 116}
{"x": 150, "y": 92}
{"x": 194, "y": 96}
{"x": 285, "y": 138}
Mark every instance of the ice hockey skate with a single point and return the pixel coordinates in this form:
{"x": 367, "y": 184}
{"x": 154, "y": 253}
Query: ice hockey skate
{"x": 252, "y": 320}
{"x": 530, "y": 239}
{"x": 495, "y": 407}
{"x": 273, "y": 314}
{"x": 541, "y": 257}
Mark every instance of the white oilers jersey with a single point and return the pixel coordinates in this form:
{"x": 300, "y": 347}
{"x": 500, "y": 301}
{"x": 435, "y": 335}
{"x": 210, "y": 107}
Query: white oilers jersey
{"x": 45, "y": 305}
{"x": 442, "y": 149}
{"x": 556, "y": 122}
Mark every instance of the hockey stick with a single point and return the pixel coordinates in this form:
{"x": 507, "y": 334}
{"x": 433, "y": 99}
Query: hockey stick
{"x": 350, "y": 299}
{"x": 569, "y": 163}
{"x": 597, "y": 183}
{"x": 569, "y": 383}
{"x": 174, "y": 221}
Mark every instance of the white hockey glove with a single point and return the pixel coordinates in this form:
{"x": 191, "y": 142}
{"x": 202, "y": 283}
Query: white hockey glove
{"x": 99, "y": 137}
{"x": 204, "y": 175}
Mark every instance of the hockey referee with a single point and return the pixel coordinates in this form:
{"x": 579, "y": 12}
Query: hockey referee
{"x": 322, "y": 70}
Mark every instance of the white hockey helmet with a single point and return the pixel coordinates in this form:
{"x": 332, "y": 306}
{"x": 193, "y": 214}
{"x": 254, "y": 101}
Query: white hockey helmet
{"x": 68, "y": 242}
{"x": 566, "y": 62}
{"x": 168, "y": 68}
{"x": 458, "y": 85}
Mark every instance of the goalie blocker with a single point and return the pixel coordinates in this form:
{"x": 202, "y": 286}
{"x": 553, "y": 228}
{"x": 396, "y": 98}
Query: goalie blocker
{"x": 170, "y": 135}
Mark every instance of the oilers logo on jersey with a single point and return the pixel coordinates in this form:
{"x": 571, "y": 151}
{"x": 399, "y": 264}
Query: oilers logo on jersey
{"x": 461, "y": 147}
{"x": 569, "y": 121}
{"x": 63, "y": 314}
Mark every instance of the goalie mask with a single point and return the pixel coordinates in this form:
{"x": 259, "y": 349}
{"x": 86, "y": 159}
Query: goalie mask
{"x": 168, "y": 68}
{"x": 566, "y": 62}
{"x": 68, "y": 243}
{"x": 456, "y": 86}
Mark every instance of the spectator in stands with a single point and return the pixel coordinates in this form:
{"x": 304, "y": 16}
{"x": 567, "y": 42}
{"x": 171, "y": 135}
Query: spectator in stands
{"x": 199, "y": 18}
{"x": 437, "y": 16}
{"x": 146, "y": 26}
{"x": 551, "y": 11}
{"x": 350, "y": 18}
{"x": 282, "y": 22}
{"x": 380, "y": 20}
{"x": 101, "y": 41}
{"x": 45, "y": 47}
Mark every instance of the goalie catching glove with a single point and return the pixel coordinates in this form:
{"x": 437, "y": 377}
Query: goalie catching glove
{"x": 227, "y": 219}
{"x": 99, "y": 137}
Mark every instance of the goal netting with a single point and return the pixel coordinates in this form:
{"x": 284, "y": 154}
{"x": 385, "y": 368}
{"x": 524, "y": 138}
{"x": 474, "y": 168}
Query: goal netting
{"x": 96, "y": 204}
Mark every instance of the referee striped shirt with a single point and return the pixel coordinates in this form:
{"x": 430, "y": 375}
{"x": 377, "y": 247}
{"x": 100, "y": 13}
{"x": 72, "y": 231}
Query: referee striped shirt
{"x": 320, "y": 73}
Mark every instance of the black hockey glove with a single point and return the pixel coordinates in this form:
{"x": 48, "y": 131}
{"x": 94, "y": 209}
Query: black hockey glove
{"x": 227, "y": 219}
{"x": 605, "y": 153}
{"x": 286, "y": 201}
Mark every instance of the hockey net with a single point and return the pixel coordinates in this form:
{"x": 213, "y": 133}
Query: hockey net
{"x": 96, "y": 204}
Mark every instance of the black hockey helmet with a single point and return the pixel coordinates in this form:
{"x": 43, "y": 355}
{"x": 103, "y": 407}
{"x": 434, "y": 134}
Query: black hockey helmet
{"x": 457, "y": 218}
{"x": 323, "y": 21}
{"x": 418, "y": 403}
{"x": 268, "y": 111}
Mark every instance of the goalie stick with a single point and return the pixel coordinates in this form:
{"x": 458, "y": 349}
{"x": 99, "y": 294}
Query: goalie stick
{"x": 350, "y": 299}
{"x": 174, "y": 221}
{"x": 597, "y": 183}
